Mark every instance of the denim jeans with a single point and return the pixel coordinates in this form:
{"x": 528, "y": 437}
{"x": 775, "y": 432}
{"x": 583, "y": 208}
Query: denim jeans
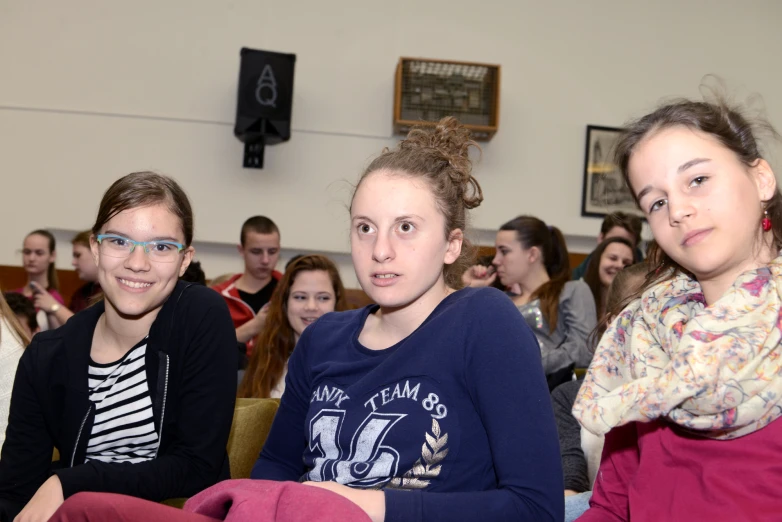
{"x": 575, "y": 505}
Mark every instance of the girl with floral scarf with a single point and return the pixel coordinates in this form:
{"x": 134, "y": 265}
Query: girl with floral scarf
{"x": 686, "y": 383}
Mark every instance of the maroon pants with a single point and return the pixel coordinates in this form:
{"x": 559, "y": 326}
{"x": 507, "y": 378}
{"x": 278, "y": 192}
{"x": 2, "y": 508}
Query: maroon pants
{"x": 104, "y": 507}
{"x": 234, "y": 500}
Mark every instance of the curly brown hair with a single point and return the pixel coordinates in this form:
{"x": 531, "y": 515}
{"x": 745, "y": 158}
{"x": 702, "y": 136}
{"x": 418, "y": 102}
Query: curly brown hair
{"x": 440, "y": 156}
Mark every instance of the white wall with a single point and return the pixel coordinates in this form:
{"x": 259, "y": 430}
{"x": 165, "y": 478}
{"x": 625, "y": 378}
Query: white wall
{"x": 91, "y": 90}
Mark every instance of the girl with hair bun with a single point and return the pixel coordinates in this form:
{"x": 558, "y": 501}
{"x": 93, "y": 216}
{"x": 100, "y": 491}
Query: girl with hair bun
{"x": 686, "y": 382}
{"x": 430, "y": 404}
{"x": 404, "y": 402}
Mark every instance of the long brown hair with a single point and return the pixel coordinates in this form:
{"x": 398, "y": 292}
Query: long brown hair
{"x": 7, "y": 315}
{"x": 440, "y": 156}
{"x": 623, "y": 290}
{"x": 592, "y": 274}
{"x": 726, "y": 124}
{"x": 275, "y": 343}
{"x": 533, "y": 232}
{"x": 51, "y": 270}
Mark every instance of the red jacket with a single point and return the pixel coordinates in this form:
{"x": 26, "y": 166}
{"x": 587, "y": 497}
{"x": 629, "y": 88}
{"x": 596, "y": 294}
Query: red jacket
{"x": 654, "y": 471}
{"x": 241, "y": 312}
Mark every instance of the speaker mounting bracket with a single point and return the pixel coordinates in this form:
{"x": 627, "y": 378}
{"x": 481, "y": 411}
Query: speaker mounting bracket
{"x": 253, "y": 154}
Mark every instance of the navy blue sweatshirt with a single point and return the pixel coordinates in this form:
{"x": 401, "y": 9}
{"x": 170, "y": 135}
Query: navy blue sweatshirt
{"x": 453, "y": 423}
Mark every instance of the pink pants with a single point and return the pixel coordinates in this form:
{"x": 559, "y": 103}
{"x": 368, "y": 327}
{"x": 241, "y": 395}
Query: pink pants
{"x": 103, "y": 507}
{"x": 231, "y": 500}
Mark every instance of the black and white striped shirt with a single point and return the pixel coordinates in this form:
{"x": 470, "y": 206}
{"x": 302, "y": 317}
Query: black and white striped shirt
{"x": 123, "y": 430}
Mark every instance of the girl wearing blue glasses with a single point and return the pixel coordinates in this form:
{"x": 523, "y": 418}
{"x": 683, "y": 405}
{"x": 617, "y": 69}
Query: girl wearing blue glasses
{"x": 121, "y": 389}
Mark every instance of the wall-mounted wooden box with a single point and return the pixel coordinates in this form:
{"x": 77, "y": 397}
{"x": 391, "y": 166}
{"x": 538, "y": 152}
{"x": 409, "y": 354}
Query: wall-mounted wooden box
{"x": 428, "y": 90}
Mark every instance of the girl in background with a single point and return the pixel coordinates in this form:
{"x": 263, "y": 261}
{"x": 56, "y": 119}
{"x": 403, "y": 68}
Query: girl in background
{"x": 85, "y": 295}
{"x": 533, "y": 257}
{"x": 610, "y": 257}
{"x": 84, "y": 265}
{"x": 38, "y": 256}
{"x": 310, "y": 287}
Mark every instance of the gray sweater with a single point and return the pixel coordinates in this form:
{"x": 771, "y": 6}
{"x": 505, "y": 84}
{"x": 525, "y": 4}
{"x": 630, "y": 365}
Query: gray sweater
{"x": 576, "y": 318}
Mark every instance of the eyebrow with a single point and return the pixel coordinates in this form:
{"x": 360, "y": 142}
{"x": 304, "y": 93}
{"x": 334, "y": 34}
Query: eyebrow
{"x": 683, "y": 167}
{"x": 159, "y": 238}
{"x": 691, "y": 163}
{"x": 409, "y": 216}
{"x": 399, "y": 218}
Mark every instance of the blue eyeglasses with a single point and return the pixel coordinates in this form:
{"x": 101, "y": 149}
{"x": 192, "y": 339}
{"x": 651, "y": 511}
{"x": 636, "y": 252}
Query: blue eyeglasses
{"x": 118, "y": 246}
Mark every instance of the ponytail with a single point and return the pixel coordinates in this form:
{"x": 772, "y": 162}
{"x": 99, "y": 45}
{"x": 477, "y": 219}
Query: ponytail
{"x": 557, "y": 262}
{"x": 51, "y": 272}
{"x": 533, "y": 232}
{"x": 51, "y": 275}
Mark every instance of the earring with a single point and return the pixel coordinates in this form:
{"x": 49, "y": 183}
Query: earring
{"x": 766, "y": 222}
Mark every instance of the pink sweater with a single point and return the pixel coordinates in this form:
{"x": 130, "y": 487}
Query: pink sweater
{"x": 655, "y": 471}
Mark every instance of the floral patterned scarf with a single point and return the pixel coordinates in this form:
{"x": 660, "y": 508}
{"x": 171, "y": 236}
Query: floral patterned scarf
{"x": 714, "y": 370}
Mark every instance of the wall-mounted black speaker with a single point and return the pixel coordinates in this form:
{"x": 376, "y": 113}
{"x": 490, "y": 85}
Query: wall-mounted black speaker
{"x": 264, "y": 102}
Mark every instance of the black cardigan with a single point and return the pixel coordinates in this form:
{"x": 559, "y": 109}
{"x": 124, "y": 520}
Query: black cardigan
{"x": 191, "y": 371}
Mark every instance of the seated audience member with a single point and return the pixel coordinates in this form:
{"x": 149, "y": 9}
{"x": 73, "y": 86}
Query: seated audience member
{"x": 38, "y": 256}
{"x": 13, "y": 339}
{"x": 561, "y": 312}
{"x": 122, "y": 389}
{"x": 194, "y": 274}
{"x": 310, "y": 287}
{"x": 616, "y": 224}
{"x": 25, "y": 313}
{"x": 85, "y": 267}
{"x": 247, "y": 293}
{"x": 580, "y": 449}
{"x": 611, "y": 256}
{"x": 429, "y": 405}
{"x": 87, "y": 270}
{"x": 686, "y": 383}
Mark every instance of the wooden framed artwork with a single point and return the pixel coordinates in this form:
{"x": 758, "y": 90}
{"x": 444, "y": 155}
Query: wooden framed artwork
{"x": 428, "y": 90}
{"x": 604, "y": 189}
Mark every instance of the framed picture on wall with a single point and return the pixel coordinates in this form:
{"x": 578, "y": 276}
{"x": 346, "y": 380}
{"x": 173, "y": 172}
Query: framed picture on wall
{"x": 604, "y": 190}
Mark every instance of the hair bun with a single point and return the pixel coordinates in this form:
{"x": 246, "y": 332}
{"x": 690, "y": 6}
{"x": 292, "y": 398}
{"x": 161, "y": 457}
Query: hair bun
{"x": 450, "y": 142}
